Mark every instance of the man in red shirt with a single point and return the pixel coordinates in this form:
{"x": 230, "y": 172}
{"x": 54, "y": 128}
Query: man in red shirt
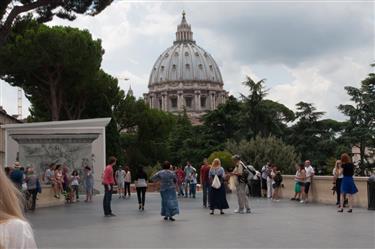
{"x": 108, "y": 182}
{"x": 205, "y": 169}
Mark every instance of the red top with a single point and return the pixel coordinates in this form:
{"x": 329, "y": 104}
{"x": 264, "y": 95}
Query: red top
{"x": 108, "y": 175}
{"x": 205, "y": 169}
{"x": 180, "y": 175}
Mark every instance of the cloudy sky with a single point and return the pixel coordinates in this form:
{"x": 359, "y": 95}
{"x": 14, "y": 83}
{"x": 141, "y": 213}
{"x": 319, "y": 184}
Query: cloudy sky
{"x": 306, "y": 50}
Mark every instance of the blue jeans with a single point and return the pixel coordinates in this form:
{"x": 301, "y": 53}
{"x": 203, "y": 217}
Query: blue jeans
{"x": 193, "y": 187}
{"x": 180, "y": 189}
{"x": 107, "y": 199}
{"x": 206, "y": 192}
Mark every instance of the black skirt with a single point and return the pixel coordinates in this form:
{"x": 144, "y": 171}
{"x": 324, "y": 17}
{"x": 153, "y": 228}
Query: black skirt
{"x": 218, "y": 199}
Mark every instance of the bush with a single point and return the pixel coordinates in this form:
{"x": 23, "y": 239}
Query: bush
{"x": 151, "y": 170}
{"x": 225, "y": 158}
{"x": 262, "y": 149}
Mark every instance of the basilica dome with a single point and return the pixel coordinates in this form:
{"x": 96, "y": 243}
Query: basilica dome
{"x": 185, "y": 62}
{"x": 185, "y": 76}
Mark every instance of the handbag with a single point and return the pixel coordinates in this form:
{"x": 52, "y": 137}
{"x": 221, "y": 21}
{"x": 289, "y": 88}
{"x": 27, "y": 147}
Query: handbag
{"x": 216, "y": 182}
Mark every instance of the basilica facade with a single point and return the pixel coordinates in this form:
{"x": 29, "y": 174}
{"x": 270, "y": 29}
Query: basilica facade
{"x": 186, "y": 77}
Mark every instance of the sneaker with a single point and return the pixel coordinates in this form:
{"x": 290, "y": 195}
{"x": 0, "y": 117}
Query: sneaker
{"x": 171, "y": 219}
{"x": 112, "y": 214}
{"x": 293, "y": 199}
{"x": 248, "y": 211}
{"x": 302, "y": 201}
{"x": 298, "y": 199}
{"x": 236, "y": 211}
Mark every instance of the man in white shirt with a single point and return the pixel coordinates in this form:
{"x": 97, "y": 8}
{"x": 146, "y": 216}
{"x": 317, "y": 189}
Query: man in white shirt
{"x": 309, "y": 175}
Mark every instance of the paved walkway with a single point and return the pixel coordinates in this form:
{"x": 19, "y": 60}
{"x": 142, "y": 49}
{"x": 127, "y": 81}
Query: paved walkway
{"x": 285, "y": 224}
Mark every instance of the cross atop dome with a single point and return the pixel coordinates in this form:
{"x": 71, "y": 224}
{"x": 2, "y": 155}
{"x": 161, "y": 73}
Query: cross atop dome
{"x": 184, "y": 33}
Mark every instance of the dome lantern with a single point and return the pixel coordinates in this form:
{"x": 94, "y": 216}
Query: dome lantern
{"x": 184, "y": 33}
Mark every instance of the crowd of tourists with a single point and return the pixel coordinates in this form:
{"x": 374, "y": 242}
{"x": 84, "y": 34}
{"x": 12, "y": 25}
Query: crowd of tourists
{"x": 174, "y": 182}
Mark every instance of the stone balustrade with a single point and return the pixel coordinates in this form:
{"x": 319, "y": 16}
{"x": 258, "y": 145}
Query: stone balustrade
{"x": 320, "y": 190}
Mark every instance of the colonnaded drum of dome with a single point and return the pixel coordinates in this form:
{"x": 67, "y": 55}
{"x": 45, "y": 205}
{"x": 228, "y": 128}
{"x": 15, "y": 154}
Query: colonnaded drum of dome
{"x": 185, "y": 76}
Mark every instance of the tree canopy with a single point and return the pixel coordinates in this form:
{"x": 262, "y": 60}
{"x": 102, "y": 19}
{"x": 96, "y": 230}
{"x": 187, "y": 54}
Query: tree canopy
{"x": 44, "y": 11}
{"x": 54, "y": 66}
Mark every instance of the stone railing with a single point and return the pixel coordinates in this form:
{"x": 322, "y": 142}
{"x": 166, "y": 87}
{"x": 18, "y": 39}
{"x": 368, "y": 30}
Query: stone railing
{"x": 320, "y": 190}
{"x": 47, "y": 199}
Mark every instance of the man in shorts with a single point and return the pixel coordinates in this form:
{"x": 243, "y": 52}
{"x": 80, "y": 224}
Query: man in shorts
{"x": 309, "y": 175}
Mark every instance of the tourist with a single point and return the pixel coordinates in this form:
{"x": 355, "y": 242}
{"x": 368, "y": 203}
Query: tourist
{"x": 141, "y": 187}
{"x": 217, "y": 195}
{"x": 299, "y": 178}
{"x": 17, "y": 175}
{"x": 309, "y": 176}
{"x": 65, "y": 172}
{"x": 58, "y": 181}
{"x": 205, "y": 183}
{"x": 265, "y": 175}
{"x": 348, "y": 186}
{"x": 337, "y": 178}
{"x": 15, "y": 231}
{"x": 188, "y": 170}
{"x": 89, "y": 183}
{"x": 193, "y": 184}
{"x": 75, "y": 185}
{"x": 169, "y": 203}
{"x": 32, "y": 186}
{"x": 128, "y": 180}
{"x": 241, "y": 185}
{"x": 108, "y": 182}
{"x": 8, "y": 170}
{"x": 180, "y": 180}
{"x": 49, "y": 174}
{"x": 276, "y": 183}
{"x": 120, "y": 179}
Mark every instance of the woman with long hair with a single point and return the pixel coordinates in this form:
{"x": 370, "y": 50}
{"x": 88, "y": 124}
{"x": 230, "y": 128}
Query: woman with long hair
{"x": 128, "y": 180}
{"x": 218, "y": 199}
{"x": 347, "y": 184}
{"x": 15, "y": 231}
{"x": 337, "y": 179}
{"x": 168, "y": 180}
{"x": 141, "y": 187}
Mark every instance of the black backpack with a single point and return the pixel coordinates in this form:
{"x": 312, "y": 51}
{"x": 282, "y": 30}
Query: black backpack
{"x": 278, "y": 177}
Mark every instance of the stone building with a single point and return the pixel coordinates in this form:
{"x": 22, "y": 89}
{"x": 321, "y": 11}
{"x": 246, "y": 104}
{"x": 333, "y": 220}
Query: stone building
{"x": 185, "y": 76}
{"x": 5, "y": 119}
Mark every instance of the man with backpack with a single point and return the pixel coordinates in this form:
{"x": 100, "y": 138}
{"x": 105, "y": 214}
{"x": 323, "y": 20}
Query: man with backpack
{"x": 242, "y": 173}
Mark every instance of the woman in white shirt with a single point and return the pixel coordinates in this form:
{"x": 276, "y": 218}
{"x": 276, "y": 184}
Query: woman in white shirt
{"x": 15, "y": 231}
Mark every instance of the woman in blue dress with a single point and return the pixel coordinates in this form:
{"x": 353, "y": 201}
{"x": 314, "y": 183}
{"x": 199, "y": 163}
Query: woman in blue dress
{"x": 218, "y": 199}
{"x": 168, "y": 180}
{"x": 347, "y": 184}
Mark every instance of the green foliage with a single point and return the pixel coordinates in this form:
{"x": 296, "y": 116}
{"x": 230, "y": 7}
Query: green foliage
{"x": 44, "y": 11}
{"x": 260, "y": 150}
{"x": 361, "y": 126}
{"x": 54, "y": 66}
{"x": 152, "y": 170}
{"x": 225, "y": 158}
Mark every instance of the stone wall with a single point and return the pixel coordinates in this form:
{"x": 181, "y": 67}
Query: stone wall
{"x": 321, "y": 192}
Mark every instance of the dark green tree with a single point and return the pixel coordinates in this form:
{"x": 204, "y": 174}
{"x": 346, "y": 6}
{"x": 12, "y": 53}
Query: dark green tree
{"x": 54, "y": 66}
{"x": 361, "y": 129}
{"x": 44, "y": 11}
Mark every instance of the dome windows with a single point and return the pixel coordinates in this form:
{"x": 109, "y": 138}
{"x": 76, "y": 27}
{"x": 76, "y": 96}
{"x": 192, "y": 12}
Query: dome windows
{"x": 187, "y": 66}
{"x": 162, "y": 68}
{"x": 196, "y": 54}
{"x": 175, "y": 53}
{"x": 211, "y": 68}
{"x": 174, "y": 66}
{"x": 205, "y": 54}
{"x": 200, "y": 66}
{"x": 186, "y": 53}
{"x": 166, "y": 55}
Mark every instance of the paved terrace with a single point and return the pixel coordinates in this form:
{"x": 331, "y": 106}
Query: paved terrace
{"x": 283, "y": 224}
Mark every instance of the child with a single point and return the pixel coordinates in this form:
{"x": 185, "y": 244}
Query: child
{"x": 75, "y": 185}
{"x": 193, "y": 184}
